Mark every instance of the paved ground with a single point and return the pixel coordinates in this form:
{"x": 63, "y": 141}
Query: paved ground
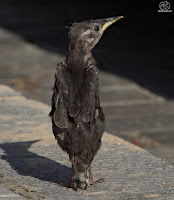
{"x": 33, "y": 166}
{"x": 6, "y": 194}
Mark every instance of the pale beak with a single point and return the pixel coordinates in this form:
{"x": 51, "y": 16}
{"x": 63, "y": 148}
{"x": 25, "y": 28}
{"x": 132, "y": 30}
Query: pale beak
{"x": 110, "y": 21}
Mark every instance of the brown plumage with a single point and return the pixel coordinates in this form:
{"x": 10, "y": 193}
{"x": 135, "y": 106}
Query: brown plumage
{"x": 77, "y": 118}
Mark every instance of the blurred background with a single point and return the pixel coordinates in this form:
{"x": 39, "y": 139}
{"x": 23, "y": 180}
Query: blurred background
{"x": 135, "y": 57}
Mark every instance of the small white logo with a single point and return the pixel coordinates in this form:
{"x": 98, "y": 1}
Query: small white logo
{"x": 164, "y": 6}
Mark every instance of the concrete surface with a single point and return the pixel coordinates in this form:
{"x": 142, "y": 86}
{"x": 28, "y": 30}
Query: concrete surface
{"x": 6, "y": 194}
{"x": 33, "y": 166}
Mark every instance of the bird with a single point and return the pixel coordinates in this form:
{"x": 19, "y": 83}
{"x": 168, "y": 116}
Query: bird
{"x": 78, "y": 120}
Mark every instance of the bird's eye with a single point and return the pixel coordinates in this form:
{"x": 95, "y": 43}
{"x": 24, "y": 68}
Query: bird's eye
{"x": 96, "y": 28}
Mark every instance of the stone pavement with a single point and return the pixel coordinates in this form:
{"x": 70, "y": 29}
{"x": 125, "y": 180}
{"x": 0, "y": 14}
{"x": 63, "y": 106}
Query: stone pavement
{"x": 6, "y": 194}
{"x": 132, "y": 113}
{"x": 33, "y": 166}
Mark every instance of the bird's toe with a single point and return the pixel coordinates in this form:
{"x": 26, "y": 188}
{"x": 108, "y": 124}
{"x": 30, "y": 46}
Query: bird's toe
{"x": 82, "y": 185}
{"x": 97, "y": 181}
{"x": 73, "y": 185}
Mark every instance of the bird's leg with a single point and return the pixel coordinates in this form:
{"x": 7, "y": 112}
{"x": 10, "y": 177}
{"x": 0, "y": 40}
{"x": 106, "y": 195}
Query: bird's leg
{"x": 85, "y": 183}
{"x": 88, "y": 180}
{"x": 91, "y": 178}
{"x": 73, "y": 183}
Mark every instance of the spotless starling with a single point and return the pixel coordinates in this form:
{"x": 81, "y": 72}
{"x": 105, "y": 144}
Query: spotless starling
{"x": 78, "y": 121}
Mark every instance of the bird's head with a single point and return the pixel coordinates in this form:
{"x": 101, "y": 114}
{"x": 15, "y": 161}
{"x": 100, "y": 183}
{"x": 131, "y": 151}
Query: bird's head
{"x": 83, "y": 36}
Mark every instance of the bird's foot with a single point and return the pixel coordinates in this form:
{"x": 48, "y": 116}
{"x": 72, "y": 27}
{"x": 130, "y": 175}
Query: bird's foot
{"x": 97, "y": 181}
{"x": 86, "y": 184}
{"x": 73, "y": 185}
{"x": 82, "y": 184}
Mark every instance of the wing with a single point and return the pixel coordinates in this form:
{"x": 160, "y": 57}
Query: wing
{"x": 60, "y": 97}
{"x": 90, "y": 94}
{"x": 60, "y": 115}
{"x": 68, "y": 103}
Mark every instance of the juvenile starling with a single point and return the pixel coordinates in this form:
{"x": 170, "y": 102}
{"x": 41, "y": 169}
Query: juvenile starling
{"x": 77, "y": 118}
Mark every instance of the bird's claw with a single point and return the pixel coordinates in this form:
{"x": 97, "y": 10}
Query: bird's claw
{"x": 83, "y": 184}
{"x": 73, "y": 185}
{"x": 97, "y": 181}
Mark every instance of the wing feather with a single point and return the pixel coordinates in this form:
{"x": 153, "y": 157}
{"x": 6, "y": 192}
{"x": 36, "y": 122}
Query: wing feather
{"x": 90, "y": 94}
{"x": 59, "y": 112}
{"x": 60, "y": 115}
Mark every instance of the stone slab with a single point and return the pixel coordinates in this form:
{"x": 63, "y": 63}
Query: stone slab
{"x": 111, "y": 79}
{"x": 165, "y": 152}
{"x": 162, "y": 136}
{"x": 153, "y": 117}
{"x": 6, "y": 194}
{"x": 136, "y": 110}
{"x": 140, "y": 123}
{"x": 122, "y": 95}
{"x": 6, "y": 91}
{"x": 33, "y": 165}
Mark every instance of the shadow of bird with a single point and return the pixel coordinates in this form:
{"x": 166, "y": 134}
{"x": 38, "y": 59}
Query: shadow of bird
{"x": 27, "y": 163}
